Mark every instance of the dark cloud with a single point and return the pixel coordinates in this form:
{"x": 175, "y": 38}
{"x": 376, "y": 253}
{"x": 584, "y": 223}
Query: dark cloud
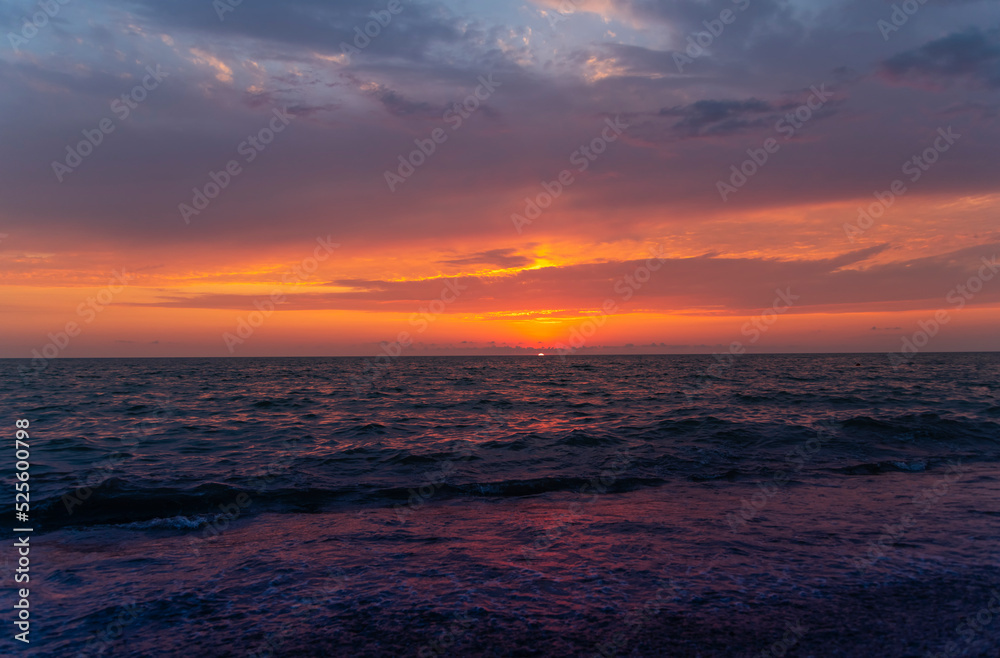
{"x": 712, "y": 118}
{"x": 499, "y": 258}
{"x": 972, "y": 55}
{"x": 753, "y": 18}
{"x": 398, "y": 105}
{"x": 631, "y": 60}
{"x": 720, "y": 117}
{"x": 323, "y": 25}
{"x": 985, "y": 111}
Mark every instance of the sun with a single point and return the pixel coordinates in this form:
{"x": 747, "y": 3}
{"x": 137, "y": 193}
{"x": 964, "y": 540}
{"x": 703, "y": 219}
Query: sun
{"x": 541, "y": 354}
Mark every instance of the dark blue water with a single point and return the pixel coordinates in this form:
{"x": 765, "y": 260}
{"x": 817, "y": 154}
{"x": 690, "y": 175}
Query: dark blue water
{"x": 513, "y": 506}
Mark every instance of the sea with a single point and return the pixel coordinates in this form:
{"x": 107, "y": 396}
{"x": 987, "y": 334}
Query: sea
{"x": 673, "y": 505}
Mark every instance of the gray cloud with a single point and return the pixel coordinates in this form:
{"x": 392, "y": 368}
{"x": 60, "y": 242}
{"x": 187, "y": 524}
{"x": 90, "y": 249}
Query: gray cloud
{"x": 500, "y": 258}
{"x": 318, "y": 24}
{"x": 720, "y": 117}
{"x": 972, "y": 55}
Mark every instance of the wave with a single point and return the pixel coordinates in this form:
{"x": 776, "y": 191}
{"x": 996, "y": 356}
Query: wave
{"x": 131, "y": 506}
{"x": 877, "y": 468}
{"x": 136, "y": 507}
{"x": 924, "y": 429}
{"x": 705, "y": 449}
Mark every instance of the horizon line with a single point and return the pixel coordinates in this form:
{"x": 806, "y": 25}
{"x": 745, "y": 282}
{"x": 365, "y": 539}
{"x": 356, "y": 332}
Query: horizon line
{"x": 431, "y": 356}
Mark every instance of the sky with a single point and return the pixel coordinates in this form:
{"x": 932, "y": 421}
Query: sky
{"x": 199, "y": 178}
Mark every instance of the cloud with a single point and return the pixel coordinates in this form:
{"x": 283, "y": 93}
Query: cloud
{"x": 972, "y": 55}
{"x": 847, "y": 282}
{"x": 499, "y": 258}
{"x": 720, "y": 117}
{"x": 314, "y": 24}
{"x": 398, "y": 105}
{"x": 616, "y": 60}
{"x": 325, "y": 175}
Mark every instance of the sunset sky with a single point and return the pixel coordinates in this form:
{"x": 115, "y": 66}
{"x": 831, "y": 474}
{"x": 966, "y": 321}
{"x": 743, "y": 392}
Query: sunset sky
{"x": 842, "y": 101}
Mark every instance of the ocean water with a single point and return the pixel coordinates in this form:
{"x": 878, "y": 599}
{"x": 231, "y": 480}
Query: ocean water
{"x": 801, "y": 505}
